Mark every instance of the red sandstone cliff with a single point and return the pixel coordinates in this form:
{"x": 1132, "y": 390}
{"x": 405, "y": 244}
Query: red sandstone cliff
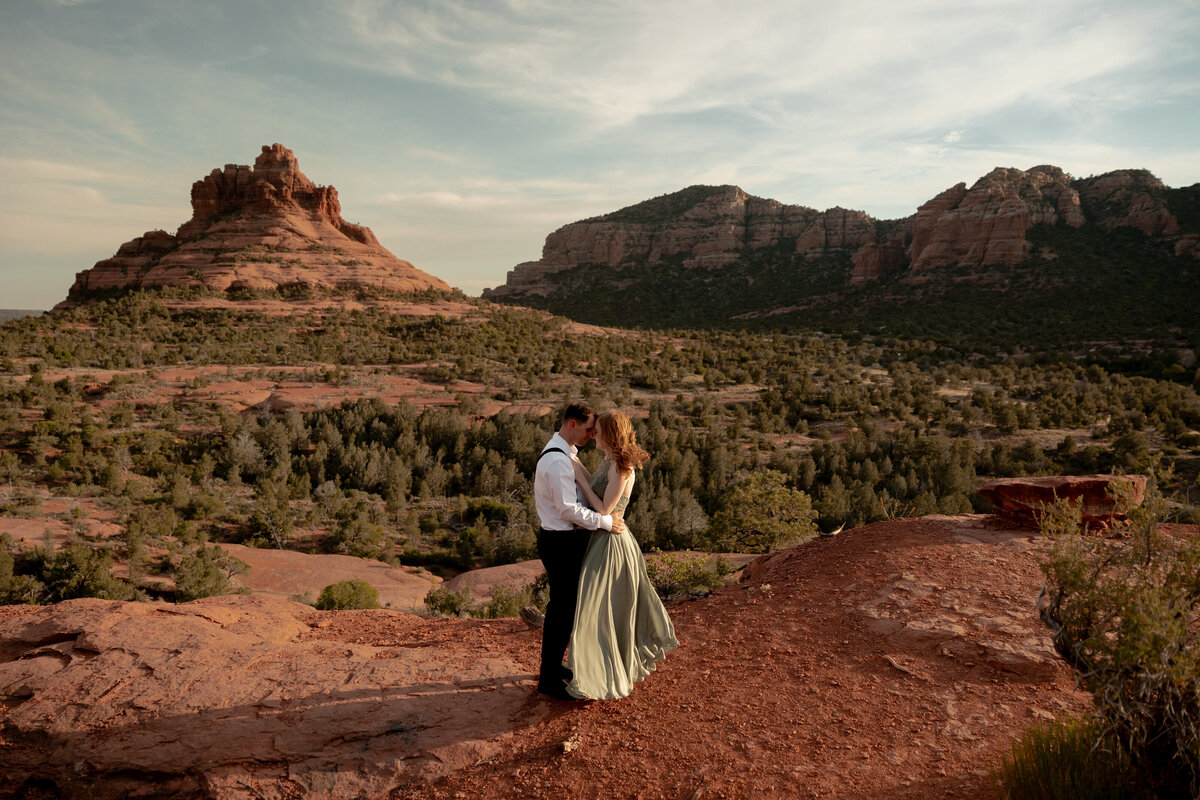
{"x": 257, "y": 227}
{"x": 1129, "y": 197}
{"x": 710, "y": 228}
{"x": 986, "y": 224}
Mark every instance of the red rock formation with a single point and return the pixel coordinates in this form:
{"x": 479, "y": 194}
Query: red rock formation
{"x": 258, "y": 228}
{"x": 986, "y": 224}
{"x": 1024, "y": 500}
{"x": 979, "y": 226}
{"x": 711, "y": 233}
{"x": 927, "y": 216}
{"x": 1129, "y": 197}
{"x": 168, "y": 683}
{"x": 874, "y": 260}
{"x": 1188, "y": 245}
{"x": 914, "y": 642}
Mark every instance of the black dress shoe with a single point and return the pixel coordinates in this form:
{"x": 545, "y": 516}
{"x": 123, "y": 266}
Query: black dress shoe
{"x": 558, "y": 692}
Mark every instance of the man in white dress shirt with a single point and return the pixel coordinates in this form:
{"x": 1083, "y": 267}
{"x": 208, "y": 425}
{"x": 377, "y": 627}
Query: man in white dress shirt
{"x": 566, "y": 526}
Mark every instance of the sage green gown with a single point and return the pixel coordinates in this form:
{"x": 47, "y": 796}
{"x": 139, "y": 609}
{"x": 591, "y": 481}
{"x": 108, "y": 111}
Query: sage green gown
{"x": 621, "y": 627}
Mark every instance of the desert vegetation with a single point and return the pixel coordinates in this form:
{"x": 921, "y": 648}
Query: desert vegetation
{"x": 758, "y": 441}
{"x": 140, "y": 432}
{"x": 1119, "y": 298}
{"x": 1122, "y": 609}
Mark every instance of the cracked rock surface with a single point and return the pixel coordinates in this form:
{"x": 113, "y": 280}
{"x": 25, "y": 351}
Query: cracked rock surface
{"x": 895, "y": 660}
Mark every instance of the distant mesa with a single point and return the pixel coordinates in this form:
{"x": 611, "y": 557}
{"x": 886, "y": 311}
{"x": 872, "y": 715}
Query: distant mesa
{"x": 713, "y": 229}
{"x": 261, "y": 227}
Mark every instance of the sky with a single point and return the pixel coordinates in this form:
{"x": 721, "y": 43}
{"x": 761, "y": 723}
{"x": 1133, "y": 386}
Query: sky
{"x": 463, "y": 132}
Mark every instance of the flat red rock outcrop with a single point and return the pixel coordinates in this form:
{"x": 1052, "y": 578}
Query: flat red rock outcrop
{"x": 896, "y": 660}
{"x": 1023, "y": 500}
{"x": 482, "y": 583}
{"x": 218, "y": 697}
{"x": 286, "y": 573}
{"x": 261, "y": 227}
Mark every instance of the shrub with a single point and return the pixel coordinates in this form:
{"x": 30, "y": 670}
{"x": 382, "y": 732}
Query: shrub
{"x": 15, "y": 589}
{"x": 1124, "y": 614}
{"x": 539, "y": 592}
{"x": 207, "y": 572}
{"x": 1068, "y": 760}
{"x": 761, "y": 513}
{"x": 271, "y": 517}
{"x": 513, "y": 543}
{"x": 6, "y": 563}
{"x": 440, "y": 600}
{"x": 686, "y": 574}
{"x": 354, "y": 593}
{"x": 507, "y": 602}
{"x": 357, "y": 530}
{"x": 80, "y": 571}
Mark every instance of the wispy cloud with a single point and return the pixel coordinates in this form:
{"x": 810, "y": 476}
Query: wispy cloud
{"x": 463, "y": 131}
{"x": 615, "y": 62}
{"x": 71, "y": 208}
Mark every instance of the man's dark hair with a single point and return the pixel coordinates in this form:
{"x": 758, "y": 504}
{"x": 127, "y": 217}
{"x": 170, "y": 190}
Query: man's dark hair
{"x": 578, "y": 412}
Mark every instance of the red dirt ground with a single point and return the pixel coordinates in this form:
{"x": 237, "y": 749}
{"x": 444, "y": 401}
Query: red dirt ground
{"x": 784, "y": 687}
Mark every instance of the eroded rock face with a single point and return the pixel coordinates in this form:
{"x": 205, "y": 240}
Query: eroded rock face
{"x": 711, "y": 231}
{"x": 874, "y": 260}
{"x": 1129, "y": 198}
{"x": 986, "y": 224}
{"x": 212, "y": 698}
{"x": 1024, "y": 500}
{"x": 260, "y": 227}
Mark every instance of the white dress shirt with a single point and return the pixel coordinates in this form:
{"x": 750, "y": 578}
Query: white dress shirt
{"x": 556, "y": 495}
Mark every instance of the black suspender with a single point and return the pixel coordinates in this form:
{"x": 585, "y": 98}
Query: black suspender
{"x": 551, "y": 450}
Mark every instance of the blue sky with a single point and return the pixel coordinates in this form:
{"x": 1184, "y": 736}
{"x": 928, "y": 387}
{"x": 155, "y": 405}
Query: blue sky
{"x": 464, "y": 132}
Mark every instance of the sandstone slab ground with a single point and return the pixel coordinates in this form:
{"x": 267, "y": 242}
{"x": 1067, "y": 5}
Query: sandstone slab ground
{"x": 896, "y": 660}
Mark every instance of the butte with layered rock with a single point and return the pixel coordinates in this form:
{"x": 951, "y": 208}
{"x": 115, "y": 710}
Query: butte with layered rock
{"x": 261, "y": 227}
{"x": 711, "y": 228}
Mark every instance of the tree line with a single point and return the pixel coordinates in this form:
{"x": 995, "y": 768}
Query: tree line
{"x": 825, "y": 432}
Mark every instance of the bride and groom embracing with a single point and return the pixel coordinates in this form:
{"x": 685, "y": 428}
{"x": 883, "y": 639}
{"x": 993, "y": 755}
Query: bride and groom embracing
{"x": 602, "y": 603}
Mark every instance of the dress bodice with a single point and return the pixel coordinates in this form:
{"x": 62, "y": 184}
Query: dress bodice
{"x": 599, "y": 484}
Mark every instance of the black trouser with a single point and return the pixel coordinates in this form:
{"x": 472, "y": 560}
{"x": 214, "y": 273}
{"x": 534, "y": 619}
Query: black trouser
{"x": 562, "y": 555}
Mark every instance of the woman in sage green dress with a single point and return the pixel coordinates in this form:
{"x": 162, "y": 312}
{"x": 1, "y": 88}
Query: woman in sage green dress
{"x": 621, "y": 628}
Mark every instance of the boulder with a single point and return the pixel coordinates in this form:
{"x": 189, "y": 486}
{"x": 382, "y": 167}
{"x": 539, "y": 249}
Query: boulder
{"x": 1024, "y": 500}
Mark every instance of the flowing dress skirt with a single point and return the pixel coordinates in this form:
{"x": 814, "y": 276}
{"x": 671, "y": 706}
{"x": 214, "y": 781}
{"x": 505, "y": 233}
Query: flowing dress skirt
{"x": 621, "y": 627}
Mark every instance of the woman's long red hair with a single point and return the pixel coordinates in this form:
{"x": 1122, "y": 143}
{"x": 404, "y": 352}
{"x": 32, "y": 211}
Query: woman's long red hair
{"x": 622, "y": 441}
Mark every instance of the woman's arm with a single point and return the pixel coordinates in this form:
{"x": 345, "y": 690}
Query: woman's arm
{"x": 612, "y": 494}
{"x": 584, "y": 481}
